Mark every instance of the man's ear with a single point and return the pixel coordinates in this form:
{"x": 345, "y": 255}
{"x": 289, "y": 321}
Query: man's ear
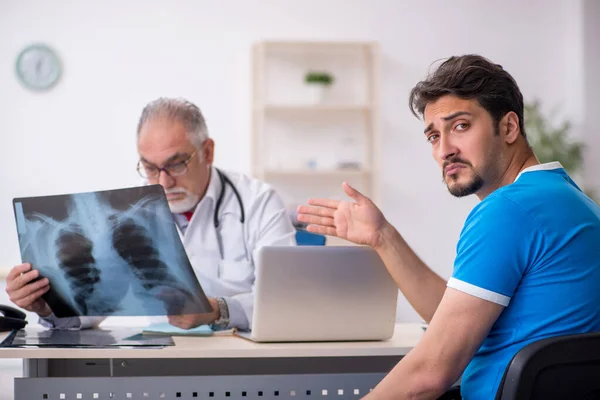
{"x": 509, "y": 127}
{"x": 208, "y": 151}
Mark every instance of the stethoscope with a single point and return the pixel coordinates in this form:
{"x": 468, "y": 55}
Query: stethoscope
{"x": 226, "y": 181}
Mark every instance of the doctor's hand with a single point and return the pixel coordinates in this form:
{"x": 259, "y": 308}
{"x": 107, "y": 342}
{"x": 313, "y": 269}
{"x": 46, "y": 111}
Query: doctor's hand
{"x": 25, "y": 292}
{"x": 359, "y": 221}
{"x": 189, "y": 321}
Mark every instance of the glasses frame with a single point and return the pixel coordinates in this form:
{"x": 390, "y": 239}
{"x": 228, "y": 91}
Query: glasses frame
{"x": 185, "y": 162}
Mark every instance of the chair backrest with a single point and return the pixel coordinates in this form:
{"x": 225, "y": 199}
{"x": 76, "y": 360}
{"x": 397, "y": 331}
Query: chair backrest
{"x": 563, "y": 367}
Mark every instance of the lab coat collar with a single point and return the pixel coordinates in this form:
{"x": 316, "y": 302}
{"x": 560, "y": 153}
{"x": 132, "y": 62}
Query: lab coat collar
{"x": 212, "y": 191}
{"x": 214, "y": 185}
{"x": 208, "y": 201}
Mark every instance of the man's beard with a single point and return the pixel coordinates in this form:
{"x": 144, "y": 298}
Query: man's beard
{"x": 186, "y": 204}
{"x": 461, "y": 190}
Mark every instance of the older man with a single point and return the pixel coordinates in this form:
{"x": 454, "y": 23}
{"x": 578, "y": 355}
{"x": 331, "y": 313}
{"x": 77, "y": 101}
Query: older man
{"x": 222, "y": 217}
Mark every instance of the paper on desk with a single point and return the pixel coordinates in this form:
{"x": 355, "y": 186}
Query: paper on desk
{"x": 168, "y": 329}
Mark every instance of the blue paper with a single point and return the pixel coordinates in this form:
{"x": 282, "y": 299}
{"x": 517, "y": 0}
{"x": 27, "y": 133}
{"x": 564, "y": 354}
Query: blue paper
{"x": 168, "y": 329}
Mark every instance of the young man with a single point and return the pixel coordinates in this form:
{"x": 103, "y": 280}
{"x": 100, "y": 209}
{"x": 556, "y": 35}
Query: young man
{"x": 528, "y": 261}
{"x": 223, "y": 217}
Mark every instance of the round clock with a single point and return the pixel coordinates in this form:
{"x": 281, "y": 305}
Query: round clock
{"x": 38, "y": 67}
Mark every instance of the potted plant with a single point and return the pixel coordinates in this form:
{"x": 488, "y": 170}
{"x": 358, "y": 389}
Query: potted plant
{"x": 552, "y": 142}
{"x": 317, "y": 82}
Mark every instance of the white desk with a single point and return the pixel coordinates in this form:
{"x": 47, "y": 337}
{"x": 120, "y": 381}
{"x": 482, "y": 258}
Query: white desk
{"x": 218, "y": 367}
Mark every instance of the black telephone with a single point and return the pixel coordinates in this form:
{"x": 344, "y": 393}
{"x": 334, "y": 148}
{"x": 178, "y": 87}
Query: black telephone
{"x": 12, "y": 319}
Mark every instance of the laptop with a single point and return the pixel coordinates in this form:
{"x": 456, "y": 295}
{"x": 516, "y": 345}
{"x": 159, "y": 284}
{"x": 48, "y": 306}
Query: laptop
{"x": 320, "y": 293}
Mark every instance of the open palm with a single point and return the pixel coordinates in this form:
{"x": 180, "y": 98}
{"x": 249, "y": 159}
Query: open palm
{"x": 359, "y": 221}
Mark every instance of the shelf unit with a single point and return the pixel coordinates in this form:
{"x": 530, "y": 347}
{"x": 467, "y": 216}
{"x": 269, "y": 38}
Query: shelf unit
{"x": 306, "y": 148}
{"x": 303, "y": 109}
{"x": 333, "y": 173}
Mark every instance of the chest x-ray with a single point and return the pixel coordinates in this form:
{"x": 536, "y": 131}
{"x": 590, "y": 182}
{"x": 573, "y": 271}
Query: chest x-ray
{"x": 109, "y": 253}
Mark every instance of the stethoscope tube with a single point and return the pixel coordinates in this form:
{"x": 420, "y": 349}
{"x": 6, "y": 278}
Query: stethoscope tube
{"x": 225, "y": 180}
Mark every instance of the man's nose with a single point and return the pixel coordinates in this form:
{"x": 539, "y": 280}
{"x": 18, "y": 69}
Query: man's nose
{"x": 447, "y": 149}
{"x": 165, "y": 180}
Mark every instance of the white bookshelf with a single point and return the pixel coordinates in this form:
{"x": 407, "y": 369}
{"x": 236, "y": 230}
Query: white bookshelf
{"x": 324, "y": 173}
{"x": 306, "y": 148}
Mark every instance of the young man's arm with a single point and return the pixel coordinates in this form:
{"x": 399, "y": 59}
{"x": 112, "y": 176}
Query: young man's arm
{"x": 454, "y": 335}
{"x": 422, "y": 287}
{"x": 363, "y": 223}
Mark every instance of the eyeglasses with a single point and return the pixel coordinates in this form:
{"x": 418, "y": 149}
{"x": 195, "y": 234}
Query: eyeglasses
{"x": 149, "y": 171}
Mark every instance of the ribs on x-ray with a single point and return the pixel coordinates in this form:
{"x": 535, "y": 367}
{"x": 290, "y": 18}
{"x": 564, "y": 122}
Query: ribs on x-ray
{"x": 135, "y": 245}
{"x": 74, "y": 255}
{"x": 104, "y": 260}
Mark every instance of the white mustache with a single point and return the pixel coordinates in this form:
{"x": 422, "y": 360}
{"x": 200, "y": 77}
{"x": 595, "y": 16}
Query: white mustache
{"x": 176, "y": 191}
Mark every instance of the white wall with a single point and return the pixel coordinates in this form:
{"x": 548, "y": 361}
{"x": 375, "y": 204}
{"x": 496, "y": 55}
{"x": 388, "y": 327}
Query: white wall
{"x": 119, "y": 55}
{"x": 591, "y": 98}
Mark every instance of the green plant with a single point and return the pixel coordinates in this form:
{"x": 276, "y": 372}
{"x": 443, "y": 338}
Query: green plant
{"x": 322, "y": 78}
{"x": 552, "y": 142}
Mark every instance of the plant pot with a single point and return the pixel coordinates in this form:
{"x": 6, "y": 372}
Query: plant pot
{"x": 316, "y": 93}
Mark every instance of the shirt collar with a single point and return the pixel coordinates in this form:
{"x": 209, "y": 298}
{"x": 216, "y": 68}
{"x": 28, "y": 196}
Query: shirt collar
{"x": 541, "y": 167}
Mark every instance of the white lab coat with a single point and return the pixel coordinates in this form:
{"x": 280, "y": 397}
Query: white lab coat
{"x": 232, "y": 276}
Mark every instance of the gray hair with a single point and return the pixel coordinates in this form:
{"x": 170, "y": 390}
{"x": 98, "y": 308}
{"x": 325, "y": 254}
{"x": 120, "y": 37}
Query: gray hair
{"x": 177, "y": 110}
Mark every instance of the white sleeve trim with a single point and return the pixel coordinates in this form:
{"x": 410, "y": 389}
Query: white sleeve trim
{"x": 478, "y": 292}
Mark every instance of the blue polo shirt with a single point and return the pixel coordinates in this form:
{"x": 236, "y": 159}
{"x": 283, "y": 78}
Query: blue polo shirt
{"x": 533, "y": 247}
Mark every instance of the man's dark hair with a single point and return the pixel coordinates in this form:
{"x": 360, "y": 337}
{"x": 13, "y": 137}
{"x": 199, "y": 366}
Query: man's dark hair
{"x": 471, "y": 77}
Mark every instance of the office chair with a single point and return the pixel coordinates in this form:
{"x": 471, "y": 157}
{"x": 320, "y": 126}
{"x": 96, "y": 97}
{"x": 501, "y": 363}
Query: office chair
{"x": 451, "y": 394}
{"x": 563, "y": 367}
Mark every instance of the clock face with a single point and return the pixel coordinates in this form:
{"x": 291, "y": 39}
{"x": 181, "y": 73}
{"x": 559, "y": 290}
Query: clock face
{"x": 38, "y": 67}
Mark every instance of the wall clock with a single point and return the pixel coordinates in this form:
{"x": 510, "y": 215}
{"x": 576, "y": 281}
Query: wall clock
{"x": 38, "y": 67}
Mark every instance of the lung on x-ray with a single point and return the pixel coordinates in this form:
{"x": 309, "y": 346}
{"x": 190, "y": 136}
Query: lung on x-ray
{"x": 109, "y": 253}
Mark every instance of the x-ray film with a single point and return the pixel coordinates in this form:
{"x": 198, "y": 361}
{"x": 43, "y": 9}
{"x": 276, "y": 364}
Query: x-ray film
{"x": 88, "y": 338}
{"x": 109, "y": 253}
